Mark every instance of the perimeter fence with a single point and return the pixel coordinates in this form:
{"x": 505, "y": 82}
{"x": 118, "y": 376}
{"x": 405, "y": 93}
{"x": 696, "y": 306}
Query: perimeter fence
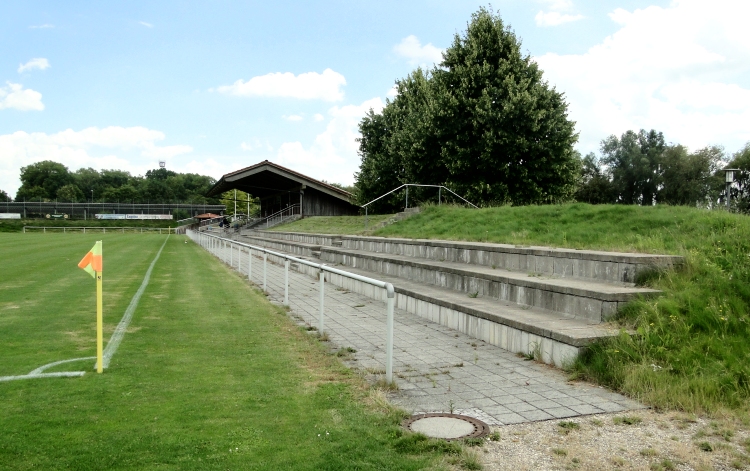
{"x": 257, "y": 264}
{"x": 104, "y": 230}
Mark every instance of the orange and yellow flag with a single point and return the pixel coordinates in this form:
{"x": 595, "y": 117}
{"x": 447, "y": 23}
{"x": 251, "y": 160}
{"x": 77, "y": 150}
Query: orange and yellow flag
{"x": 92, "y": 262}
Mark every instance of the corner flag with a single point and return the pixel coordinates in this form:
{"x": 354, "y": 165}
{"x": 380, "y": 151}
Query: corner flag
{"x": 92, "y": 263}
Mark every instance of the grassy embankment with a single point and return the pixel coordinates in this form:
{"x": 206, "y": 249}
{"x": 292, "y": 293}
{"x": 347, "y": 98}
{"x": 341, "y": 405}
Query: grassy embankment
{"x": 16, "y": 225}
{"x": 209, "y": 376}
{"x": 334, "y": 224}
{"x": 692, "y": 351}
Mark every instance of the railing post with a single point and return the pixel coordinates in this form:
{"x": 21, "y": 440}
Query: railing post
{"x": 231, "y": 255}
{"x": 239, "y": 258}
{"x": 440, "y": 188}
{"x": 321, "y": 326}
{"x": 407, "y": 197}
{"x": 365, "y": 217}
{"x": 250, "y": 265}
{"x": 391, "y": 295}
{"x": 265, "y": 258}
{"x": 286, "y": 282}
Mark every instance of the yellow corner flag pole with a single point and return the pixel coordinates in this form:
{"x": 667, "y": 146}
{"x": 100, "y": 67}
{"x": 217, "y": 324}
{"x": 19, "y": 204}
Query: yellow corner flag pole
{"x": 99, "y": 334}
{"x": 92, "y": 264}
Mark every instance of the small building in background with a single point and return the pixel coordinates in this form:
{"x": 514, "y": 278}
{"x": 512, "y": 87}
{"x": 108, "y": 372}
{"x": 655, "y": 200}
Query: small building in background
{"x": 279, "y": 188}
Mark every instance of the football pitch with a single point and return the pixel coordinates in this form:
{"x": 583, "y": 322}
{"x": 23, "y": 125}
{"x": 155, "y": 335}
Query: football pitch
{"x": 208, "y": 374}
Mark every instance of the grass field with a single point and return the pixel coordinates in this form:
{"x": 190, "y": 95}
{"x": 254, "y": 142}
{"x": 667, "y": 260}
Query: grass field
{"x": 209, "y": 375}
{"x": 16, "y": 225}
{"x": 692, "y": 349}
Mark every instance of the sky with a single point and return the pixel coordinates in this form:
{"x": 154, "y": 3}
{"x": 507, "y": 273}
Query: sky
{"x": 212, "y": 87}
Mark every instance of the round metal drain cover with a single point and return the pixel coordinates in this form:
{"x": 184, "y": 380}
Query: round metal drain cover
{"x": 447, "y": 426}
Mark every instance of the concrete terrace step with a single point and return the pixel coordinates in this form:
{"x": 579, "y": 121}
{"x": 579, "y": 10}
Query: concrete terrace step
{"x": 571, "y": 297}
{"x": 549, "y": 336}
{"x": 540, "y": 322}
{"x": 610, "y": 267}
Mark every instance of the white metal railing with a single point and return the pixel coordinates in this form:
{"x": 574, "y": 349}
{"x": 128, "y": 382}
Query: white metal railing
{"x": 407, "y": 185}
{"x": 213, "y": 244}
{"x": 287, "y": 212}
{"x": 168, "y": 230}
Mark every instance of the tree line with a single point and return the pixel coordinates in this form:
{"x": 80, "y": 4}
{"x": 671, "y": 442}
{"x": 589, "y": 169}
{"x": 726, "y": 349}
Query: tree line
{"x": 641, "y": 168}
{"x": 52, "y": 181}
{"x": 486, "y": 124}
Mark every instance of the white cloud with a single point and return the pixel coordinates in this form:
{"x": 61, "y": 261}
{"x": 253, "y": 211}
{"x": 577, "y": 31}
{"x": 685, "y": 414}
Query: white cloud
{"x": 256, "y": 144}
{"x": 132, "y": 149}
{"x": 681, "y": 70}
{"x": 411, "y": 49}
{"x": 392, "y": 92}
{"x": 294, "y": 117}
{"x": 147, "y": 25}
{"x": 306, "y": 86}
{"x": 44, "y": 26}
{"x": 16, "y": 97}
{"x": 318, "y": 117}
{"x": 333, "y": 154}
{"x": 37, "y": 63}
{"x": 555, "y": 18}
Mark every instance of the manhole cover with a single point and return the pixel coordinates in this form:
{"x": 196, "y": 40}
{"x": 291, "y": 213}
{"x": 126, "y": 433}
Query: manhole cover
{"x": 447, "y": 426}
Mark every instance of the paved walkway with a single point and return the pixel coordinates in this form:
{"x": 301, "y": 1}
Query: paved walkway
{"x": 438, "y": 369}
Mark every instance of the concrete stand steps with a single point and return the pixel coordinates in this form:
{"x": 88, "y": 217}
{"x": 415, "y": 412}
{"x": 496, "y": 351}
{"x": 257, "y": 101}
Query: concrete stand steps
{"x": 550, "y": 315}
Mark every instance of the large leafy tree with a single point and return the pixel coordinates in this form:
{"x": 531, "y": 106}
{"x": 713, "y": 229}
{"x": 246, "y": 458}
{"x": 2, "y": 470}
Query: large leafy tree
{"x": 484, "y": 123}
{"x": 687, "y": 178}
{"x": 41, "y": 180}
{"x": 505, "y": 133}
{"x": 4, "y": 197}
{"x": 633, "y": 161}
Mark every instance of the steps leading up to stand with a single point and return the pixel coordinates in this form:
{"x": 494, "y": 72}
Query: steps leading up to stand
{"x": 553, "y": 316}
{"x": 571, "y": 297}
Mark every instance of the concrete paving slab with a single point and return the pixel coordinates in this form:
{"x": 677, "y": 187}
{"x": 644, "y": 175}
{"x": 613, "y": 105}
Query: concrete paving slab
{"x": 492, "y": 385}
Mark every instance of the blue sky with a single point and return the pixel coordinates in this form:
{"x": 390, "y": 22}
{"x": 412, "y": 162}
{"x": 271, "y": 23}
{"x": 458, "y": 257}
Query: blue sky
{"x": 211, "y": 87}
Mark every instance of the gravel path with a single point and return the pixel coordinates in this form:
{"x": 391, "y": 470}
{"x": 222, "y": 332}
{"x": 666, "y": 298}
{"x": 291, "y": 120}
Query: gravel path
{"x": 640, "y": 440}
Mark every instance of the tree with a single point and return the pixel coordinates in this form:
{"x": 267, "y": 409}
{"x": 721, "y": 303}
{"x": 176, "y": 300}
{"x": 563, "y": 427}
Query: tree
{"x": 741, "y": 190}
{"x": 687, "y": 177}
{"x": 4, "y": 197}
{"x": 70, "y": 193}
{"x": 41, "y": 180}
{"x": 484, "y": 123}
{"x": 594, "y": 186}
{"x": 505, "y": 134}
{"x": 243, "y": 200}
{"x": 88, "y": 179}
{"x": 633, "y": 163}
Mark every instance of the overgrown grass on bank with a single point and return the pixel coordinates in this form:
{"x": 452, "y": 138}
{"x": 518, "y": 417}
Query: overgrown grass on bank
{"x": 692, "y": 350}
{"x": 210, "y": 375}
{"x": 334, "y": 224}
{"x": 16, "y": 225}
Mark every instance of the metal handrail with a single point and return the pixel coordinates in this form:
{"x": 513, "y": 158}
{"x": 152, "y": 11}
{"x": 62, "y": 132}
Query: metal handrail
{"x": 210, "y": 241}
{"x": 407, "y": 185}
{"x": 267, "y": 219}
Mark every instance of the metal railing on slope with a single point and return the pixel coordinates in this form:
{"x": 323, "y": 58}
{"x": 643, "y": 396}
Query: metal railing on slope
{"x": 289, "y": 211}
{"x": 407, "y": 185}
{"x": 214, "y": 243}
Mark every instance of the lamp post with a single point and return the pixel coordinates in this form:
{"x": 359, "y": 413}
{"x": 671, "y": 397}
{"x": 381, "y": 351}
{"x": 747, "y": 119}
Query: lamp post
{"x": 729, "y": 179}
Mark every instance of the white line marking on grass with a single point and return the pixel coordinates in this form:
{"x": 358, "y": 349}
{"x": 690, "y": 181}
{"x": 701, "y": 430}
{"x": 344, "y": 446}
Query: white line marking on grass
{"x": 62, "y": 374}
{"x": 50, "y": 365}
{"x": 119, "y": 332}
{"x": 112, "y": 345}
